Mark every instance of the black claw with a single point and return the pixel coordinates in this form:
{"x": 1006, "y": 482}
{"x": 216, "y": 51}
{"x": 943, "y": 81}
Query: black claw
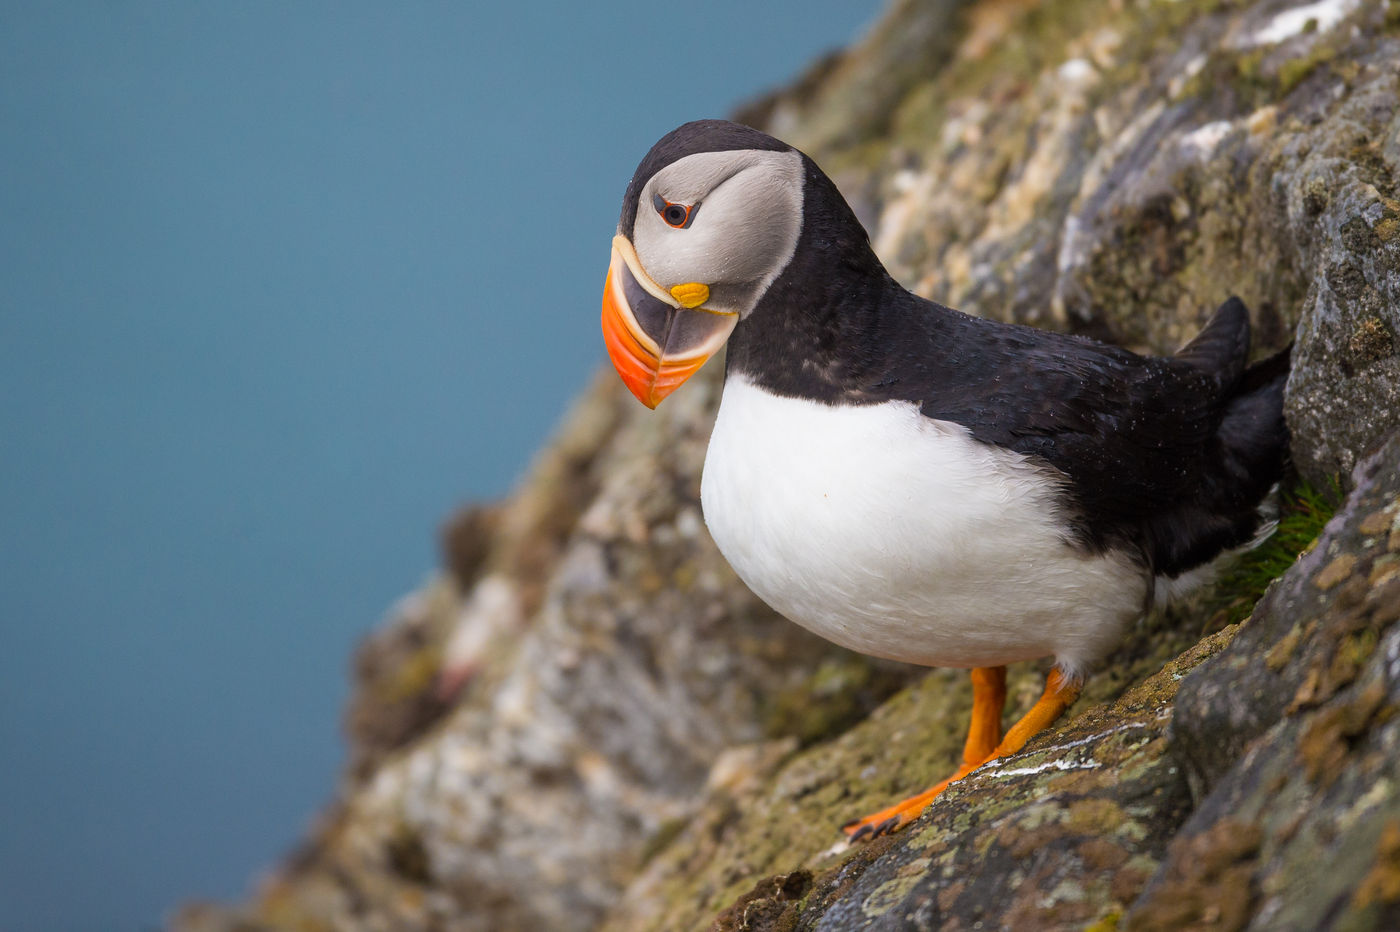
{"x": 861, "y": 832}
{"x": 885, "y": 827}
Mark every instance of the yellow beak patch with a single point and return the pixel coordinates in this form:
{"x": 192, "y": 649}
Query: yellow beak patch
{"x": 691, "y": 294}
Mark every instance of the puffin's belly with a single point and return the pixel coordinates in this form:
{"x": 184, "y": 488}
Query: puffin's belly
{"x": 900, "y": 536}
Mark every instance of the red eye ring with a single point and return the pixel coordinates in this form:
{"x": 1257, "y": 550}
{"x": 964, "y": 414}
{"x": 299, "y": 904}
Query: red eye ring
{"x": 674, "y": 215}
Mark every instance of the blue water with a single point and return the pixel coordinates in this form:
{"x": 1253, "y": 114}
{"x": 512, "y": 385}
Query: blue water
{"x": 280, "y": 285}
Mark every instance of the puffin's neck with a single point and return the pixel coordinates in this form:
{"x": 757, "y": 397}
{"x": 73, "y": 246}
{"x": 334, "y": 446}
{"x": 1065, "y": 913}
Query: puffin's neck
{"x": 828, "y": 326}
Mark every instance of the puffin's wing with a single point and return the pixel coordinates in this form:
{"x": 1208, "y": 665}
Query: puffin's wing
{"x": 1132, "y": 434}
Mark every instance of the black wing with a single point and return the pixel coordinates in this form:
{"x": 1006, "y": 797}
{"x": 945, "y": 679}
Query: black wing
{"x": 1136, "y": 436}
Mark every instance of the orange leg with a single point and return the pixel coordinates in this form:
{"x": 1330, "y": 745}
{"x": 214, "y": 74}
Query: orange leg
{"x": 984, "y": 743}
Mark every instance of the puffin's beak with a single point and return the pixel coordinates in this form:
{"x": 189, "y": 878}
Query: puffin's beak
{"x": 657, "y": 339}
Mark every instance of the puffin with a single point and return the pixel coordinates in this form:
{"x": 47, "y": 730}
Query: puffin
{"x": 916, "y": 483}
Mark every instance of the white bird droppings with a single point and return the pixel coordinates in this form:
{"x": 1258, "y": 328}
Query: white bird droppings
{"x": 1289, "y": 23}
{"x": 1056, "y": 764}
{"x": 1076, "y": 70}
{"x": 1201, "y": 142}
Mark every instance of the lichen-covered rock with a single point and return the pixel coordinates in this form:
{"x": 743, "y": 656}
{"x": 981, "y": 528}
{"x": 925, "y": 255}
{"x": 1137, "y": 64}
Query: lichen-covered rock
{"x": 1067, "y": 832}
{"x": 1293, "y": 738}
{"x": 617, "y": 733}
{"x": 1300, "y": 647}
{"x": 1345, "y": 397}
{"x": 394, "y": 669}
{"x": 592, "y": 728}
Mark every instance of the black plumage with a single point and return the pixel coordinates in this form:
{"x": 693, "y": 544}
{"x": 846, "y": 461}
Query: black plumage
{"x": 1166, "y": 457}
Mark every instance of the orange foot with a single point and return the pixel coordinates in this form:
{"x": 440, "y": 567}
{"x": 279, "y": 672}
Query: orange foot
{"x": 984, "y": 743}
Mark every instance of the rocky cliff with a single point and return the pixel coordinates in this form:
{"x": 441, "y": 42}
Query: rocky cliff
{"x": 587, "y": 721}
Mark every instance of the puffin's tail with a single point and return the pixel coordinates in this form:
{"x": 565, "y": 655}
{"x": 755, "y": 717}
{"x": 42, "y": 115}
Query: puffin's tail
{"x": 1222, "y": 346}
{"x": 1253, "y": 434}
{"x": 1248, "y": 453}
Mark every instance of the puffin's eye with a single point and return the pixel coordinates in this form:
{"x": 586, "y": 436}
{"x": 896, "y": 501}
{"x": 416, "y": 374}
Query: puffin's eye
{"x": 676, "y": 215}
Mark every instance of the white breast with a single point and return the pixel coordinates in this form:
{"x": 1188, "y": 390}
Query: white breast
{"x": 900, "y": 536}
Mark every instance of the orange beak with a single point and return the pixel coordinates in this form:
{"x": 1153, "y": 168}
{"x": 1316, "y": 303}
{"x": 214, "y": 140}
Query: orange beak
{"x": 656, "y": 342}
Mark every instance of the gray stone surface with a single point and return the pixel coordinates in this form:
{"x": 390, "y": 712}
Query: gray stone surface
{"x": 1292, "y": 735}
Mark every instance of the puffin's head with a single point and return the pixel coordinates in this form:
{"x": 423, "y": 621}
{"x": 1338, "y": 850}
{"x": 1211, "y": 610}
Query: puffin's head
{"x": 710, "y": 219}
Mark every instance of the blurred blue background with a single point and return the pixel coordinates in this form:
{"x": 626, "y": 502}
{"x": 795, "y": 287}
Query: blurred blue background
{"x": 281, "y": 285}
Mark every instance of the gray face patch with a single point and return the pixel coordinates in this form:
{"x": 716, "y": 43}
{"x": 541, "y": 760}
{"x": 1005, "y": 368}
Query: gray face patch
{"x": 747, "y": 217}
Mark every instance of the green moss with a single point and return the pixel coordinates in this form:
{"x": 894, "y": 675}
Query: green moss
{"x": 837, "y": 695}
{"x": 1250, "y": 65}
{"x": 414, "y": 676}
{"x": 668, "y": 832}
{"x": 1304, "y": 511}
{"x": 1045, "y": 36}
{"x": 1294, "y": 71}
{"x": 1253, "y": 76}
